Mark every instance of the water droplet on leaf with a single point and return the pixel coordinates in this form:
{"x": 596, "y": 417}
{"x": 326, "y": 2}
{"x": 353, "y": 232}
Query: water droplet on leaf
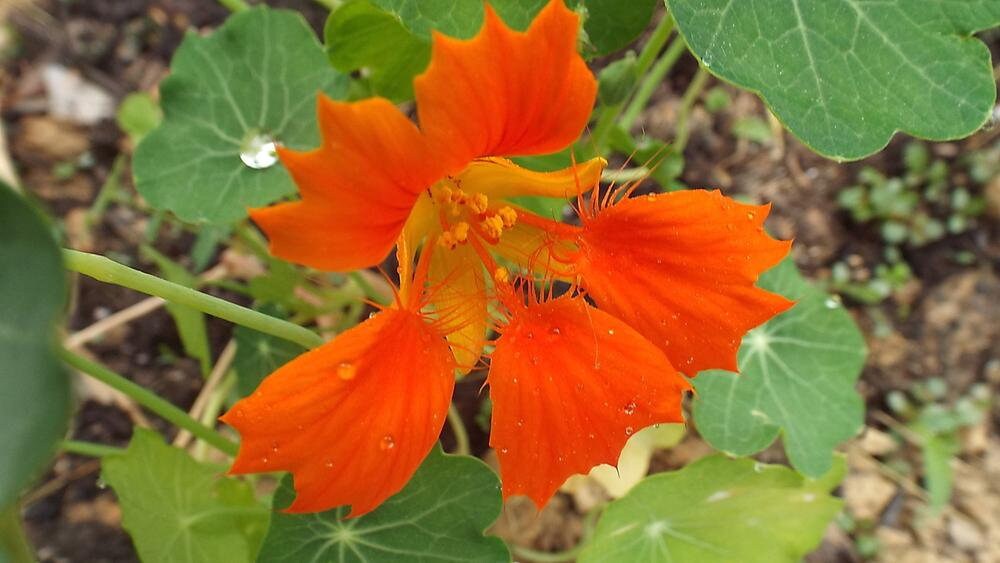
{"x": 258, "y": 152}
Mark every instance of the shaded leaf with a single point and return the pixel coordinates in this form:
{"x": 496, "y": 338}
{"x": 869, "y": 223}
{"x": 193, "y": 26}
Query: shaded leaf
{"x": 259, "y": 355}
{"x": 138, "y": 115}
{"x": 254, "y": 80}
{"x": 717, "y": 510}
{"x": 845, "y": 76}
{"x": 439, "y": 516}
{"x": 797, "y": 375}
{"x": 360, "y": 35}
{"x": 34, "y": 388}
{"x": 190, "y": 322}
{"x": 176, "y": 509}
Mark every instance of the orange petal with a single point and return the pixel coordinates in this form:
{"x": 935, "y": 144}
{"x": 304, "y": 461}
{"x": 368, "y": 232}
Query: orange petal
{"x": 681, "y": 268}
{"x": 357, "y": 188}
{"x": 458, "y": 293}
{"x": 505, "y": 93}
{"x": 569, "y": 385}
{"x": 353, "y": 419}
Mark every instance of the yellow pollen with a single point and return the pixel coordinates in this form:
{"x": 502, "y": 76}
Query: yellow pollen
{"x": 501, "y": 275}
{"x": 442, "y": 195}
{"x": 459, "y": 196}
{"x": 508, "y": 216}
{"x": 492, "y": 226}
{"x": 479, "y": 202}
{"x": 447, "y": 240}
{"x": 460, "y": 232}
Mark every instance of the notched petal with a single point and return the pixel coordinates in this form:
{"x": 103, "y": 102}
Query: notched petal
{"x": 353, "y": 419}
{"x": 681, "y": 268}
{"x": 570, "y": 384}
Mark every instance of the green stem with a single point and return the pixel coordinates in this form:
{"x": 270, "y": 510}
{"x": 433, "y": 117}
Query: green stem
{"x": 609, "y": 114}
{"x": 108, "y": 191}
{"x": 109, "y": 271}
{"x": 89, "y": 448}
{"x": 458, "y": 429}
{"x": 235, "y": 6}
{"x": 656, "y": 42}
{"x": 652, "y": 80}
{"x": 13, "y": 542}
{"x": 687, "y": 102}
{"x": 150, "y": 400}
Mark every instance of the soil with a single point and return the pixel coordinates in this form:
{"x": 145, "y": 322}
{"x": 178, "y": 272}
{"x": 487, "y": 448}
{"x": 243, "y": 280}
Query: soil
{"x": 950, "y": 330}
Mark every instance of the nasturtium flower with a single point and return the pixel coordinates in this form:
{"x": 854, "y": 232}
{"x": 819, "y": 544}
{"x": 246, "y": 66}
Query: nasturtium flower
{"x": 659, "y": 285}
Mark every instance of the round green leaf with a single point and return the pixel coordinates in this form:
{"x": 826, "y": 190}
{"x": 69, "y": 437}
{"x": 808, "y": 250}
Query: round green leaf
{"x": 717, "y": 510}
{"x": 258, "y": 355}
{"x": 34, "y": 388}
{"x": 439, "y": 516}
{"x": 797, "y": 375}
{"x": 845, "y": 76}
{"x": 177, "y": 509}
{"x": 254, "y": 81}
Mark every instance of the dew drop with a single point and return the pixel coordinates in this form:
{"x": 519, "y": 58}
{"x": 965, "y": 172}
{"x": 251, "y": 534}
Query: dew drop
{"x": 750, "y": 215}
{"x": 503, "y": 450}
{"x": 651, "y": 197}
{"x": 266, "y": 460}
{"x": 258, "y": 151}
{"x": 611, "y": 332}
{"x": 530, "y": 335}
{"x": 328, "y": 465}
{"x": 555, "y": 331}
{"x": 832, "y": 303}
{"x": 387, "y": 443}
{"x": 629, "y": 409}
{"x": 629, "y": 430}
{"x": 274, "y": 447}
{"x": 534, "y": 360}
{"x": 346, "y": 371}
{"x": 514, "y": 380}
{"x": 520, "y": 422}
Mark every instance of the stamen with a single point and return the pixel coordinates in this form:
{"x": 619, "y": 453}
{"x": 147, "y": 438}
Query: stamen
{"x": 501, "y": 275}
{"x": 460, "y": 232}
{"x": 508, "y": 216}
{"x": 479, "y": 202}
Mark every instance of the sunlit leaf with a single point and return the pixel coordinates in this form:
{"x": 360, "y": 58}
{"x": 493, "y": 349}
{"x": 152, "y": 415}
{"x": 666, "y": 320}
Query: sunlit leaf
{"x": 252, "y": 82}
{"x": 439, "y": 516}
{"x": 34, "y": 388}
{"x": 717, "y": 510}
{"x": 797, "y": 375}
{"x": 176, "y": 509}
{"x": 845, "y": 76}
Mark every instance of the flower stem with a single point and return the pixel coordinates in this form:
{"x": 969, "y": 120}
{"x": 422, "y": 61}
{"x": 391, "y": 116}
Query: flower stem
{"x": 687, "y": 102}
{"x": 150, "y": 400}
{"x": 656, "y": 42}
{"x": 235, "y": 6}
{"x": 651, "y": 81}
{"x": 13, "y": 541}
{"x": 458, "y": 429}
{"x": 109, "y": 271}
{"x": 89, "y": 448}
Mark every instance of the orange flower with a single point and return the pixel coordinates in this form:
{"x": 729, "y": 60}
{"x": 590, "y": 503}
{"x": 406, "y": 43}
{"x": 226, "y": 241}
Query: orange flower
{"x": 672, "y": 277}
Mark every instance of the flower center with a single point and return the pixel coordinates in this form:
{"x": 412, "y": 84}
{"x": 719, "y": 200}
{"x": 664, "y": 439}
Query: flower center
{"x": 464, "y": 214}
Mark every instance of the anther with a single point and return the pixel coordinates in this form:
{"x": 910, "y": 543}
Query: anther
{"x": 442, "y": 195}
{"x": 508, "y": 216}
{"x": 493, "y": 226}
{"x": 479, "y": 202}
{"x": 447, "y": 240}
{"x": 460, "y": 232}
{"x": 501, "y": 275}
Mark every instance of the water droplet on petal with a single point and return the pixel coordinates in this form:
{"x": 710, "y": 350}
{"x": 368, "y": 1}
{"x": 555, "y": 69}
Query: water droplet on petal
{"x": 520, "y": 423}
{"x": 751, "y": 215}
{"x": 555, "y": 331}
{"x": 611, "y": 332}
{"x": 346, "y": 371}
{"x": 258, "y": 152}
{"x": 328, "y": 465}
{"x": 387, "y": 443}
{"x": 266, "y": 460}
{"x": 629, "y": 430}
{"x": 629, "y": 409}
